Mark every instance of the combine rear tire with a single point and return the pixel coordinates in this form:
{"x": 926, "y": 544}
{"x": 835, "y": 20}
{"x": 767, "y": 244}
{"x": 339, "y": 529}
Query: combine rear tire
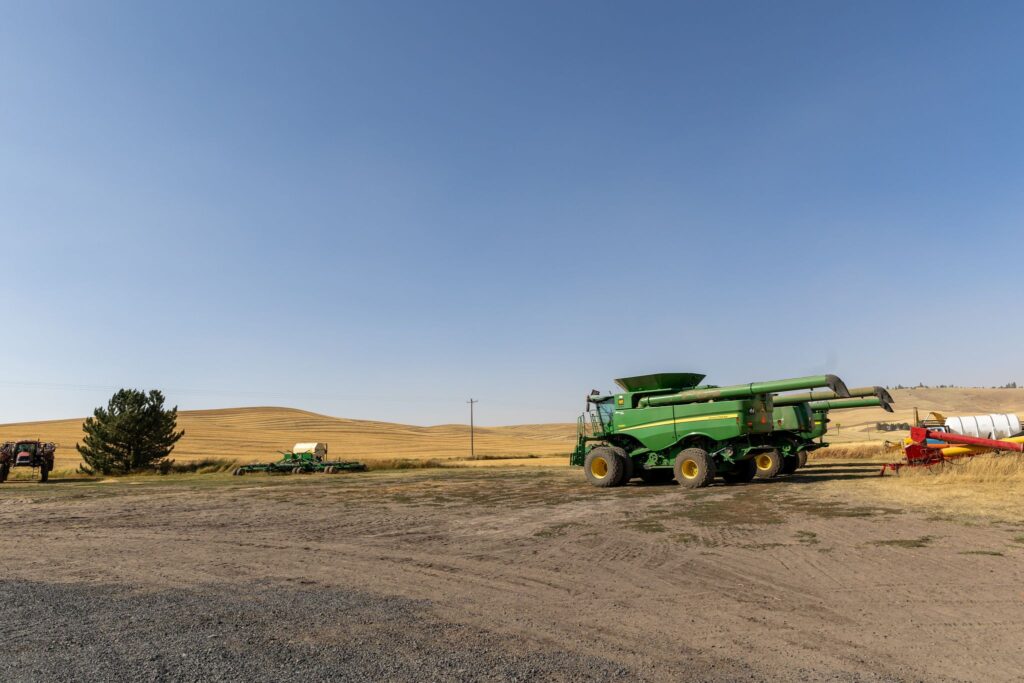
{"x": 44, "y": 473}
{"x": 768, "y": 463}
{"x": 603, "y": 466}
{"x": 658, "y": 476}
{"x": 802, "y": 459}
{"x": 694, "y": 468}
{"x": 5, "y": 469}
{"x": 790, "y": 463}
{"x": 742, "y": 472}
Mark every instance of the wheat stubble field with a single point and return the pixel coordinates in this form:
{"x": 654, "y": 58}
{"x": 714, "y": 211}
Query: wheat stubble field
{"x": 507, "y": 573}
{"x": 257, "y": 434}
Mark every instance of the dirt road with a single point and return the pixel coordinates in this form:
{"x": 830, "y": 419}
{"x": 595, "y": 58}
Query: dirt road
{"x": 499, "y": 574}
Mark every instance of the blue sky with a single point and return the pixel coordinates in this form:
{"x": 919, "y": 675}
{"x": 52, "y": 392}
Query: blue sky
{"x": 380, "y": 209}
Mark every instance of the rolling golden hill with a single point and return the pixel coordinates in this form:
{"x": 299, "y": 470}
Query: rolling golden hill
{"x": 256, "y": 434}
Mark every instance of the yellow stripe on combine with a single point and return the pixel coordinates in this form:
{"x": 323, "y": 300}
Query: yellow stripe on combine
{"x": 701, "y": 418}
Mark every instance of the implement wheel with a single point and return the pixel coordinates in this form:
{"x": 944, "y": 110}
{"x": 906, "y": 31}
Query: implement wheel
{"x": 741, "y": 473}
{"x": 296, "y": 470}
{"x": 801, "y": 459}
{"x": 603, "y": 466}
{"x": 768, "y": 464}
{"x": 659, "y": 476}
{"x": 694, "y": 468}
{"x": 790, "y": 463}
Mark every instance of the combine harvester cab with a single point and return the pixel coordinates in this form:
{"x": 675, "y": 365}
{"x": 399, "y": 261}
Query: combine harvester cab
{"x": 302, "y": 459}
{"x": 668, "y": 425}
{"x": 802, "y": 418}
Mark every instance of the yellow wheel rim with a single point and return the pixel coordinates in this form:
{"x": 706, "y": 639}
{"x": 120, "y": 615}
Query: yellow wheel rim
{"x": 690, "y": 469}
{"x": 764, "y": 462}
{"x": 599, "y": 468}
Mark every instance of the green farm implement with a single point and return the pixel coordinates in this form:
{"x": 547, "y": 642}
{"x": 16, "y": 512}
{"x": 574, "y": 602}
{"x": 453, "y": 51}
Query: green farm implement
{"x": 302, "y": 459}
{"x": 668, "y": 425}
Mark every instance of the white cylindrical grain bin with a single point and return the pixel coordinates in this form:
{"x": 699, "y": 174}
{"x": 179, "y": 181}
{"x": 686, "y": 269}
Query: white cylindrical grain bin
{"x": 991, "y": 426}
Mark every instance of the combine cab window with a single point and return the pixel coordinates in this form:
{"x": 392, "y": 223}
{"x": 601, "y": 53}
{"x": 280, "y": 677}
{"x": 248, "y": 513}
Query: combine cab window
{"x": 606, "y": 409}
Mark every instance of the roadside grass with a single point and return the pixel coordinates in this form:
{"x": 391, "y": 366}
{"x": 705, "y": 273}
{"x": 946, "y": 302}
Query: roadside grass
{"x": 981, "y": 469}
{"x": 202, "y": 466}
{"x": 406, "y": 464}
{"x": 987, "y": 487}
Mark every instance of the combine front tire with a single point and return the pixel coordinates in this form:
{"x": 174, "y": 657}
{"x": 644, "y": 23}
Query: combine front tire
{"x": 768, "y": 464}
{"x": 603, "y": 466}
{"x": 742, "y": 472}
{"x": 694, "y": 468}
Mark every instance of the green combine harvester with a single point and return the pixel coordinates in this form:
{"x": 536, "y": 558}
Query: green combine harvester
{"x": 304, "y": 458}
{"x": 802, "y": 418}
{"x": 668, "y": 425}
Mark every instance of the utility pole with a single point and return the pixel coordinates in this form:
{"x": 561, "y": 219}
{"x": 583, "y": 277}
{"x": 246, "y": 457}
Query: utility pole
{"x": 472, "y": 448}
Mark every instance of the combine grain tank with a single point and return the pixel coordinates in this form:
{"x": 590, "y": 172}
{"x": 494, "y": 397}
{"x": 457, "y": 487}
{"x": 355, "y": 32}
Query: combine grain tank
{"x": 669, "y": 425}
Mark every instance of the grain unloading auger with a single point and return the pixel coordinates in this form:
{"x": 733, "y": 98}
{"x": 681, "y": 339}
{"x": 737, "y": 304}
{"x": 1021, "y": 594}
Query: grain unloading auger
{"x": 303, "y": 458}
{"x": 668, "y": 425}
{"x": 937, "y": 444}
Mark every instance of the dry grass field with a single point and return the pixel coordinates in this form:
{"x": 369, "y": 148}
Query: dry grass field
{"x": 257, "y": 434}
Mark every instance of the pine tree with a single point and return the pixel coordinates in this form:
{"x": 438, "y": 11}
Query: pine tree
{"x": 133, "y": 432}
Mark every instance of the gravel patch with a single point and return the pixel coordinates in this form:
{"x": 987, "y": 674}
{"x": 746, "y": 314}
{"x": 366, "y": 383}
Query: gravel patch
{"x": 264, "y": 632}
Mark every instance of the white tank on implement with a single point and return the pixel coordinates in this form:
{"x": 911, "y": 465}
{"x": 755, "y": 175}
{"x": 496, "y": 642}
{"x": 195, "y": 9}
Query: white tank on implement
{"x": 991, "y": 426}
{"x": 314, "y": 447}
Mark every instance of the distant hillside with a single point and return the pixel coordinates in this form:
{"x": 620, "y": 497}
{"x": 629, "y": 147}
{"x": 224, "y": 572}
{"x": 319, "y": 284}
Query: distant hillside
{"x": 256, "y": 434}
